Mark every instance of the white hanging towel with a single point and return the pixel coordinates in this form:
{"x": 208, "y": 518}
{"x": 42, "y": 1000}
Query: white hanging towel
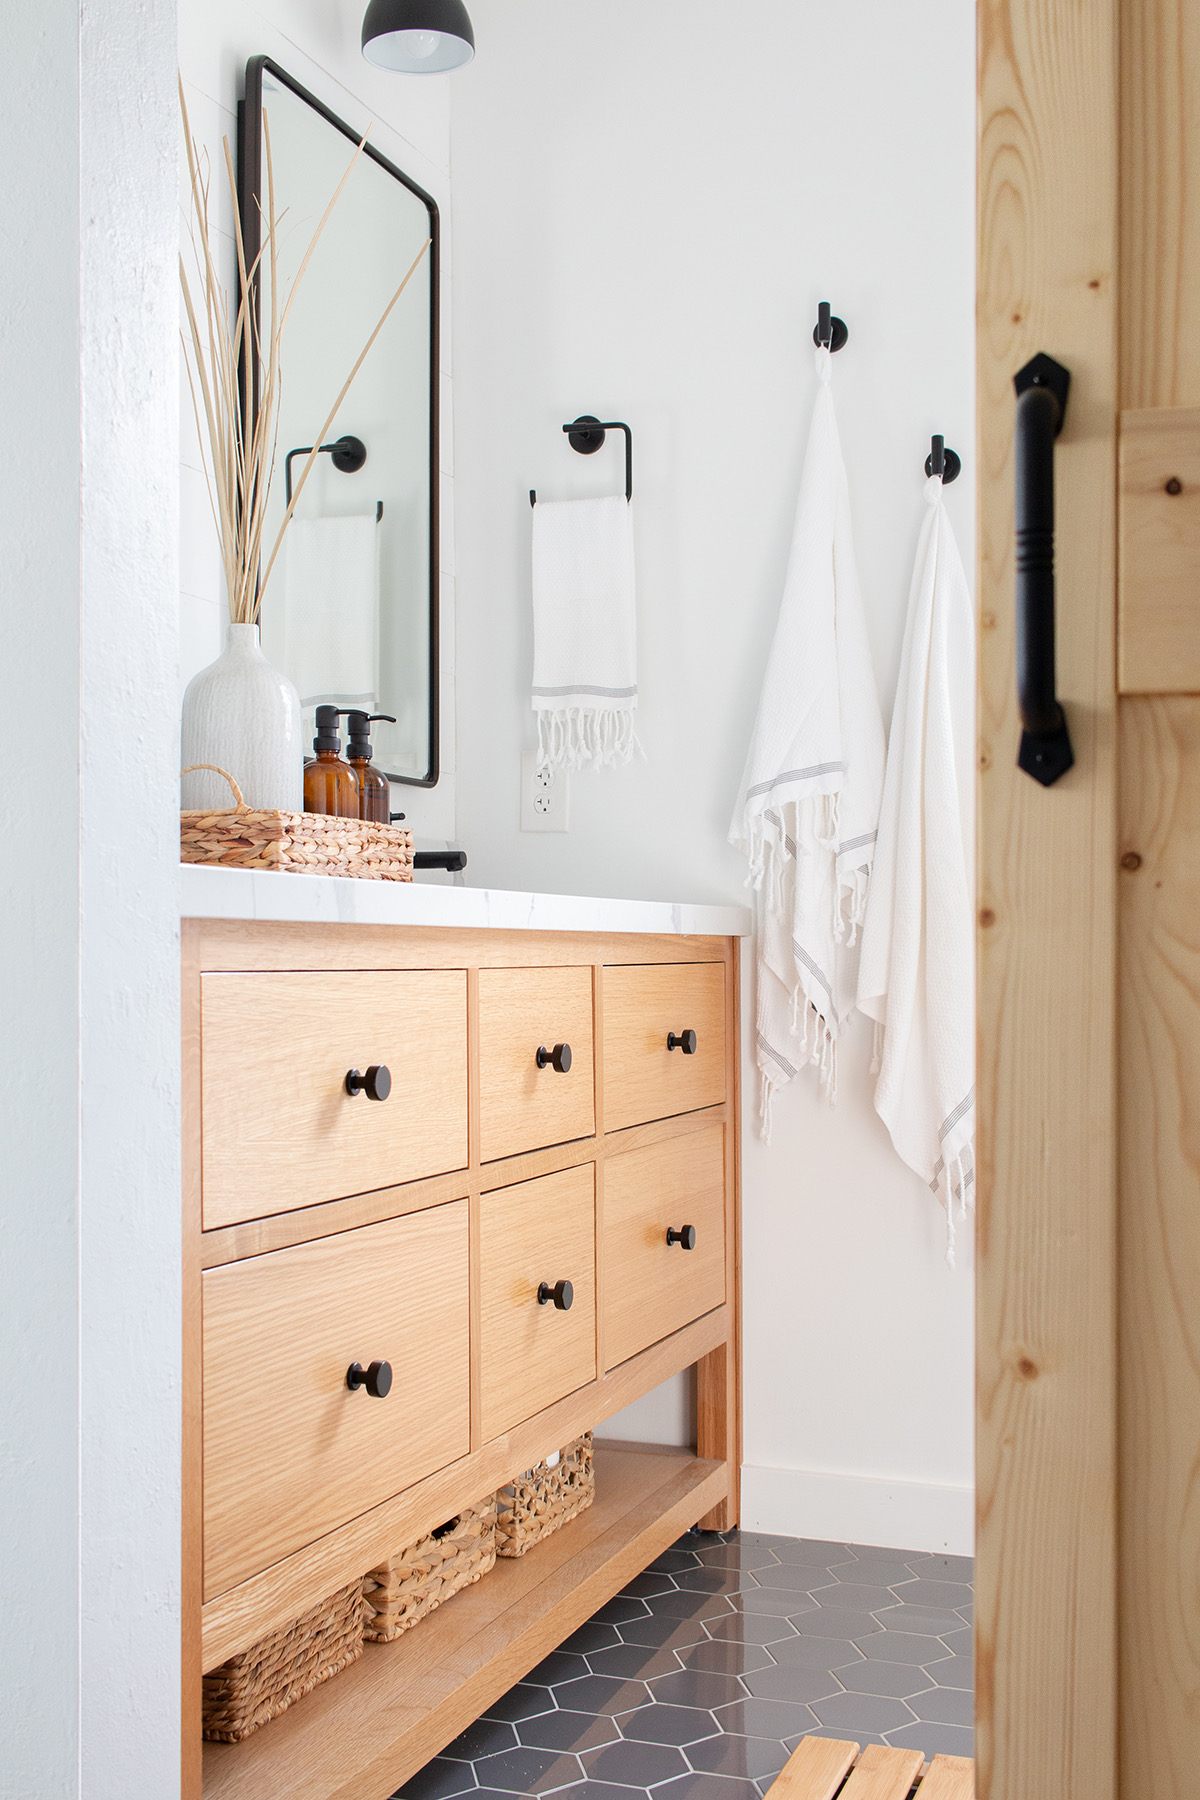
{"x": 331, "y": 610}
{"x": 584, "y": 632}
{"x": 808, "y": 809}
{"x": 917, "y": 975}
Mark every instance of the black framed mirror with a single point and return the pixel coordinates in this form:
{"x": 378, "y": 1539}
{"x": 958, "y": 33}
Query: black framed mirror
{"x": 351, "y": 612}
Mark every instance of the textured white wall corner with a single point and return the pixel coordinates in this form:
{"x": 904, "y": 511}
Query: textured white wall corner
{"x": 89, "y": 1058}
{"x": 859, "y": 1509}
{"x": 667, "y": 272}
{"x": 318, "y": 43}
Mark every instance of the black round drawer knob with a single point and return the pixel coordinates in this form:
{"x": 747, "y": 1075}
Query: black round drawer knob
{"x": 559, "y": 1058}
{"x": 682, "y": 1040}
{"x": 377, "y": 1379}
{"x": 376, "y": 1084}
{"x": 685, "y": 1237}
{"x": 562, "y": 1294}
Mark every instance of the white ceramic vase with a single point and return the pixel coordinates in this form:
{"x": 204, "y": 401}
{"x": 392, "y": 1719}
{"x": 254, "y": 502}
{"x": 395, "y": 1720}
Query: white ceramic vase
{"x": 244, "y": 714}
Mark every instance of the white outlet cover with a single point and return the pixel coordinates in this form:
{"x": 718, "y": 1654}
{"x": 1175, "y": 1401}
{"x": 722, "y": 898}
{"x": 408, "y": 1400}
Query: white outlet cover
{"x": 545, "y": 796}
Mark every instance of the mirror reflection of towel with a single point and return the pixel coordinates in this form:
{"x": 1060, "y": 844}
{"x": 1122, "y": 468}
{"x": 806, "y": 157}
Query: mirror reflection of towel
{"x": 331, "y": 610}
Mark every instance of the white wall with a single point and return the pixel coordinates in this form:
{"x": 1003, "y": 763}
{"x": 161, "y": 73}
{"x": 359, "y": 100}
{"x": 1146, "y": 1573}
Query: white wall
{"x": 89, "y": 1057}
{"x": 317, "y": 41}
{"x": 649, "y": 202}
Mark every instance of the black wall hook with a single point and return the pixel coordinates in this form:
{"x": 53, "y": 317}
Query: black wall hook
{"x": 829, "y": 333}
{"x": 586, "y": 435}
{"x": 944, "y": 462}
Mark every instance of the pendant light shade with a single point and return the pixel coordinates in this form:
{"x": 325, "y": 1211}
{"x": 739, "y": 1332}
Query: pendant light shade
{"x": 417, "y": 37}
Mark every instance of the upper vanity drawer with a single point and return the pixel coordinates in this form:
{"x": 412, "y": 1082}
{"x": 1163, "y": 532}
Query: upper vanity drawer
{"x": 279, "y": 1128}
{"x": 529, "y": 1096}
{"x": 290, "y": 1450}
{"x": 664, "y": 1040}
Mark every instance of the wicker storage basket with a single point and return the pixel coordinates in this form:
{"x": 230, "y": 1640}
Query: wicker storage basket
{"x": 410, "y": 1584}
{"x": 543, "y": 1498}
{"x": 299, "y": 843}
{"x": 265, "y": 1680}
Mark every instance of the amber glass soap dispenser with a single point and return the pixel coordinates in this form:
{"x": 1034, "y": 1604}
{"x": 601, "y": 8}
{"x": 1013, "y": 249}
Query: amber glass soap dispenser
{"x": 330, "y": 784}
{"x": 374, "y": 788}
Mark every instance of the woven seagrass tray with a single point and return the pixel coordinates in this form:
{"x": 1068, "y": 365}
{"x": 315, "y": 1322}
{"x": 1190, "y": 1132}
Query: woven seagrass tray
{"x": 543, "y": 1498}
{"x": 410, "y": 1584}
{"x": 280, "y": 1669}
{"x": 240, "y": 837}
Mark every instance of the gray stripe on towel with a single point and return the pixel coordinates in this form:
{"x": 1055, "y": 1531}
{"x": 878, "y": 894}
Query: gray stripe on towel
{"x": 857, "y": 843}
{"x": 774, "y": 1055}
{"x": 764, "y": 787}
{"x": 581, "y": 687}
{"x": 964, "y": 1106}
{"x": 811, "y": 966}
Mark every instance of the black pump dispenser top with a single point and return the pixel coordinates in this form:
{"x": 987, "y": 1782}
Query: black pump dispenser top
{"x": 360, "y": 734}
{"x": 327, "y": 737}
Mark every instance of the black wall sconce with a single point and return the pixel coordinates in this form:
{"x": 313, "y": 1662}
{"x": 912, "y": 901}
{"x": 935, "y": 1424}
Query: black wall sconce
{"x": 417, "y": 37}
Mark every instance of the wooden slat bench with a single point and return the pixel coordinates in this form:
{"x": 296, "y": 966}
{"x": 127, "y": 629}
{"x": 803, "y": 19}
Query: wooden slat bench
{"x": 820, "y": 1768}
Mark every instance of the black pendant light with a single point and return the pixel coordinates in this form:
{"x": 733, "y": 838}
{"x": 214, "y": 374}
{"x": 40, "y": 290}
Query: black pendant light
{"x": 418, "y": 37}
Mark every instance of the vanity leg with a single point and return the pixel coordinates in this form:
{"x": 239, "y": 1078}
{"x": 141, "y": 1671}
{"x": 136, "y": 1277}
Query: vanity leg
{"x": 719, "y": 1374}
{"x": 717, "y": 1433}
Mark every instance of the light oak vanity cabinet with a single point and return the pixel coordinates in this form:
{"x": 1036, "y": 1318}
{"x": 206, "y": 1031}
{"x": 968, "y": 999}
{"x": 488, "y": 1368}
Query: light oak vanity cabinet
{"x": 504, "y": 1165}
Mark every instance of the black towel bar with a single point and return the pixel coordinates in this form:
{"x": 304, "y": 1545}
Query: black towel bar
{"x": 586, "y": 435}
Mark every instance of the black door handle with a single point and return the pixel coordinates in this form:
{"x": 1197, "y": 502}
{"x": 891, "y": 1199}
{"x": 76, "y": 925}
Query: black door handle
{"x": 559, "y": 1058}
{"x": 376, "y": 1084}
{"x": 1042, "y": 387}
{"x": 682, "y": 1040}
{"x": 561, "y": 1295}
{"x": 685, "y": 1237}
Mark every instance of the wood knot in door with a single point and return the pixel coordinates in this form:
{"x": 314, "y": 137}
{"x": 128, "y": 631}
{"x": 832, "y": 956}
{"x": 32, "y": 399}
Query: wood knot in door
{"x": 1131, "y": 861}
{"x": 987, "y": 917}
{"x": 1027, "y": 1369}
{"x": 1173, "y": 485}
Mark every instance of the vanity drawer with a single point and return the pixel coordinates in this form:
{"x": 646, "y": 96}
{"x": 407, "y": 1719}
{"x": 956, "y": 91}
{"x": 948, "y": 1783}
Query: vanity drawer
{"x": 644, "y": 1005}
{"x": 279, "y": 1129}
{"x": 522, "y": 1106}
{"x": 532, "y": 1354}
{"x": 651, "y": 1287}
{"x": 290, "y": 1452}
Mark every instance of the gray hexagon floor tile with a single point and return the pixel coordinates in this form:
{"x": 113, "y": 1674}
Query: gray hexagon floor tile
{"x": 438, "y": 1780}
{"x": 783, "y": 1603}
{"x": 567, "y": 1730}
{"x": 935, "y": 1740}
{"x": 659, "y": 1724}
{"x": 954, "y": 1672}
{"x": 707, "y": 1787}
{"x": 696, "y": 1687}
{"x": 899, "y": 1646}
{"x": 792, "y": 1684}
{"x": 661, "y": 1631}
{"x": 481, "y": 1739}
{"x": 863, "y": 1712}
{"x": 601, "y": 1694}
{"x": 631, "y": 1764}
{"x": 945, "y": 1706}
{"x": 634, "y": 1662}
{"x": 751, "y": 1628}
{"x": 527, "y": 1771}
{"x": 725, "y": 1656}
{"x": 895, "y": 1678}
{"x": 815, "y": 1652}
{"x": 749, "y": 1758}
{"x": 521, "y": 1702}
{"x": 765, "y": 1718}
{"x": 698, "y": 1680}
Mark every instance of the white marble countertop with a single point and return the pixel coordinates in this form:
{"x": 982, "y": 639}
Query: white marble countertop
{"x": 206, "y": 892}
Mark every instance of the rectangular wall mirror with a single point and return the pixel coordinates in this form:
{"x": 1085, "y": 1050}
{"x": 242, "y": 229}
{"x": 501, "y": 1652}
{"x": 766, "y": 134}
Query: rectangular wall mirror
{"x": 351, "y": 612}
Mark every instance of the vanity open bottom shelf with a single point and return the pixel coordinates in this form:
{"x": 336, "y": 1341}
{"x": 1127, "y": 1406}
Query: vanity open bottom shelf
{"x": 362, "y": 1735}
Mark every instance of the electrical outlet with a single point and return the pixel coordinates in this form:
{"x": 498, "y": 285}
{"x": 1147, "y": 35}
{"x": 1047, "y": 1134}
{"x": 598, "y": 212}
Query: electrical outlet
{"x": 545, "y": 796}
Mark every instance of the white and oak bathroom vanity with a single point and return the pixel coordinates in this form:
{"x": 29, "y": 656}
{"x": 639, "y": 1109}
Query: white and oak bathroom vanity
{"x": 413, "y": 1222}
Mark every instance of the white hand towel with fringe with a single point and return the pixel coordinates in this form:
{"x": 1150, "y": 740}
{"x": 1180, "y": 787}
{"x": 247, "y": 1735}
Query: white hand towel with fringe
{"x": 917, "y": 974}
{"x": 808, "y": 809}
{"x": 584, "y": 632}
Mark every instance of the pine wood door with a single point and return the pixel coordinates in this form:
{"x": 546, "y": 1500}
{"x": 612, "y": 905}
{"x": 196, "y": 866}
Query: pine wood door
{"x": 1088, "y": 1625}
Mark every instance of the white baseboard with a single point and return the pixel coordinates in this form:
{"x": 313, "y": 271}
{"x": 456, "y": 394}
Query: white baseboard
{"x": 858, "y": 1509}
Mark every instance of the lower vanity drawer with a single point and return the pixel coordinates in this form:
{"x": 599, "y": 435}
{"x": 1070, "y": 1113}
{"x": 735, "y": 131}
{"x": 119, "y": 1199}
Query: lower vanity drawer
{"x": 532, "y": 1238}
{"x": 653, "y": 1286}
{"x": 290, "y": 1451}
